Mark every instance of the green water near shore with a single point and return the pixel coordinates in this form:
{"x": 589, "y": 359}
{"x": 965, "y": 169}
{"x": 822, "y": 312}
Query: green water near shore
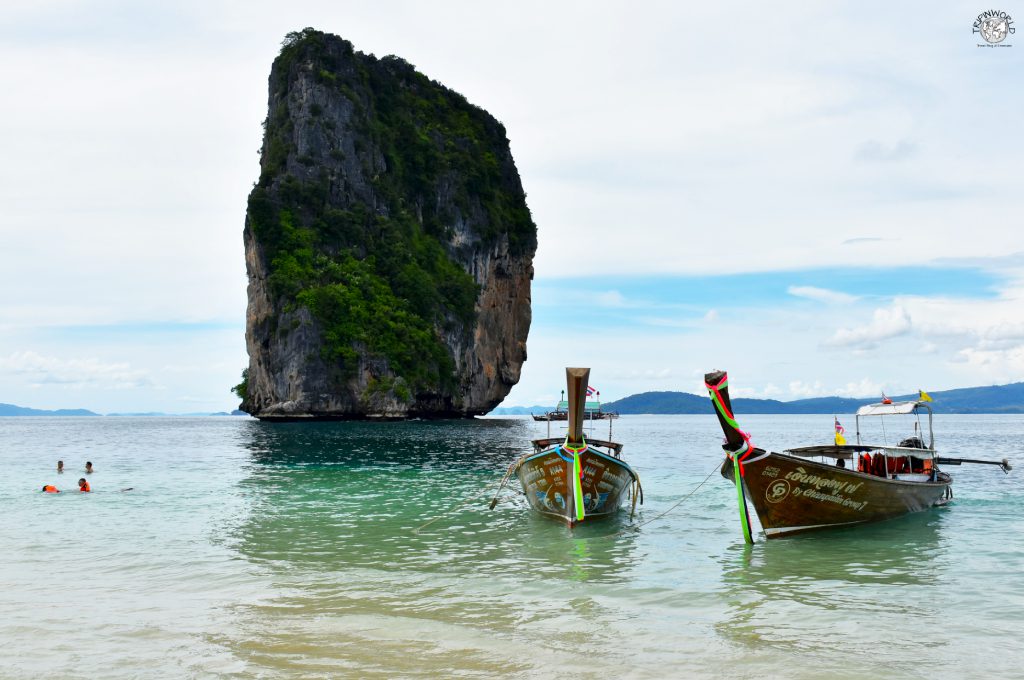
{"x": 254, "y": 550}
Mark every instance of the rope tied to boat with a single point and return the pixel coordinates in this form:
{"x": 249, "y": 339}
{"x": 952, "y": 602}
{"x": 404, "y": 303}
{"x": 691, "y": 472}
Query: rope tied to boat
{"x": 467, "y": 501}
{"x": 636, "y": 527}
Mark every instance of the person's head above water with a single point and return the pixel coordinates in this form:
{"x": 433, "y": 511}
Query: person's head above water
{"x": 83, "y": 485}
{"x": 88, "y": 466}
{"x": 60, "y": 466}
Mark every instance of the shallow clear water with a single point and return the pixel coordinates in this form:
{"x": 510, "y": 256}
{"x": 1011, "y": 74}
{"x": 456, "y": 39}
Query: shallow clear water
{"x": 255, "y": 550}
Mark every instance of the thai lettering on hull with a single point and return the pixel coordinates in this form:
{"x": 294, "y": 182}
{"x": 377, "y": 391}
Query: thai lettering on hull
{"x": 836, "y": 491}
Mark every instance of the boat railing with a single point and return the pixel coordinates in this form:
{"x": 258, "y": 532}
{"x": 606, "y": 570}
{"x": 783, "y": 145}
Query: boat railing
{"x": 894, "y": 462}
{"x": 896, "y": 451}
{"x": 546, "y": 443}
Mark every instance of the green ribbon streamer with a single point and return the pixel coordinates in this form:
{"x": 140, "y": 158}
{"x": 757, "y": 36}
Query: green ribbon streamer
{"x": 577, "y": 488}
{"x": 721, "y": 409}
{"x": 744, "y": 522}
{"x": 737, "y": 476}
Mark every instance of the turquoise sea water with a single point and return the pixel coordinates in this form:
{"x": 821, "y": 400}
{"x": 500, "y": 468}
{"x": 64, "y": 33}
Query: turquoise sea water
{"x": 249, "y": 550}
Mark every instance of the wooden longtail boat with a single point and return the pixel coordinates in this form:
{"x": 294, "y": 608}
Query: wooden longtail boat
{"x": 849, "y": 484}
{"x": 592, "y": 410}
{"x": 575, "y": 479}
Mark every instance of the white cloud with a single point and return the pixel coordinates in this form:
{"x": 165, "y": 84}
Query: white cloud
{"x": 799, "y": 389}
{"x": 862, "y": 389}
{"x": 124, "y": 202}
{"x": 769, "y": 391}
{"x": 643, "y": 375}
{"x": 611, "y": 298}
{"x": 1002, "y": 364}
{"x": 831, "y": 297}
{"x": 38, "y": 370}
{"x": 873, "y": 151}
{"x": 885, "y": 323}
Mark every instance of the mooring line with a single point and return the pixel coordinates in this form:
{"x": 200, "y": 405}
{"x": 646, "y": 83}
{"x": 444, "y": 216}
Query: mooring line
{"x": 674, "y": 506}
{"x": 469, "y": 500}
{"x": 505, "y": 478}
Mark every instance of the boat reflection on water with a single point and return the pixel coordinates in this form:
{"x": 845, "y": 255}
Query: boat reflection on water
{"x": 331, "y": 524}
{"x": 883, "y": 578}
{"x": 351, "y": 495}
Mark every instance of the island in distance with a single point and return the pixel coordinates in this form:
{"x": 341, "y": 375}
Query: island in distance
{"x": 991, "y": 399}
{"x": 12, "y": 410}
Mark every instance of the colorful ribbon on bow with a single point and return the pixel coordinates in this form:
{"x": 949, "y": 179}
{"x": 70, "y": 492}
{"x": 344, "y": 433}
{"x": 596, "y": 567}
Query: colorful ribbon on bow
{"x": 737, "y": 456}
{"x": 747, "y": 447}
{"x": 577, "y": 476}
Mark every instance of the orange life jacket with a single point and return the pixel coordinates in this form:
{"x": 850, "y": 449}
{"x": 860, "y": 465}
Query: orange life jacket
{"x": 896, "y": 464}
{"x": 85, "y": 488}
{"x": 50, "y": 488}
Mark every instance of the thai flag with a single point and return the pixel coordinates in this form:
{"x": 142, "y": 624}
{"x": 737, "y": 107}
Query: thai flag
{"x": 840, "y": 439}
{"x": 591, "y": 391}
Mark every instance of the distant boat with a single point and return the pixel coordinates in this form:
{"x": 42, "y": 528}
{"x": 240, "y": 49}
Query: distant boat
{"x": 572, "y": 478}
{"x": 834, "y": 485}
{"x": 591, "y": 411}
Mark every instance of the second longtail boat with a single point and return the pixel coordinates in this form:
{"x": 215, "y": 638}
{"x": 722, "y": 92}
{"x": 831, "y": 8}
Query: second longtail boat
{"x": 819, "y": 487}
{"x": 575, "y": 479}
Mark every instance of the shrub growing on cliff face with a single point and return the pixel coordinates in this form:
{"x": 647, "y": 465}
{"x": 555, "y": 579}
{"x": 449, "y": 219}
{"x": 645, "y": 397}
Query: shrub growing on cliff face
{"x": 241, "y": 390}
{"x": 377, "y": 274}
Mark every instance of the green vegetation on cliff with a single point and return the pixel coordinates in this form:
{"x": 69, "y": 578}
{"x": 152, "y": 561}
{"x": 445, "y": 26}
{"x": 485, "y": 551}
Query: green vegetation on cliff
{"x": 373, "y": 264}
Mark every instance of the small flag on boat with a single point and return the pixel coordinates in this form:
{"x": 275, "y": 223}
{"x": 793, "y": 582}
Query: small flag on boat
{"x": 923, "y": 396}
{"x": 840, "y": 439}
{"x": 885, "y": 399}
{"x": 591, "y": 391}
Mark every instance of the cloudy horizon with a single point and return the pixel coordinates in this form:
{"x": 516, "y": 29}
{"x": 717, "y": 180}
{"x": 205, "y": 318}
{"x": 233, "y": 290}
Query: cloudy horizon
{"x": 823, "y": 200}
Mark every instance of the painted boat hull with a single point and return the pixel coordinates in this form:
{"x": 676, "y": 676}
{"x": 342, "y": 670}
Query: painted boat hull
{"x": 546, "y": 475}
{"x": 795, "y": 495}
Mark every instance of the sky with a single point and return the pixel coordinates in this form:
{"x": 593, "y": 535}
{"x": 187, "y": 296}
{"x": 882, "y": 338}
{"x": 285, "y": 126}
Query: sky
{"x": 820, "y": 198}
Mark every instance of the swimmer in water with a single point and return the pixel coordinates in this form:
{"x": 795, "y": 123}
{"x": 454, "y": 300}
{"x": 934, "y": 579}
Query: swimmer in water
{"x": 60, "y": 467}
{"x": 88, "y": 466}
{"x": 83, "y": 485}
{"x": 50, "y": 488}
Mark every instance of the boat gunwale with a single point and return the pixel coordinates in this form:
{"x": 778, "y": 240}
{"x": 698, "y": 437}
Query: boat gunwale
{"x": 601, "y": 454}
{"x": 865, "y": 475}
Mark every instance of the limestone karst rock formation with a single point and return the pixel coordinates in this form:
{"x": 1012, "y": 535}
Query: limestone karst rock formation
{"x": 388, "y": 244}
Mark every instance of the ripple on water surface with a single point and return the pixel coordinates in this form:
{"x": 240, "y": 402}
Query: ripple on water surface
{"x": 255, "y": 550}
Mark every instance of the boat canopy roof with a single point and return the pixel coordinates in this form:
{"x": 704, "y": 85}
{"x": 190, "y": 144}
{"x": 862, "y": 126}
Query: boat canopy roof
{"x": 895, "y": 408}
{"x": 830, "y": 450}
{"x": 849, "y": 451}
{"x": 590, "y": 406}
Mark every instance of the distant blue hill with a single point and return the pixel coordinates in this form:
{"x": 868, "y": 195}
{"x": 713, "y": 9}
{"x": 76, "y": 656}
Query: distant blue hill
{"x": 993, "y": 399}
{"x": 161, "y": 414}
{"x": 12, "y": 410}
{"x": 519, "y": 410}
